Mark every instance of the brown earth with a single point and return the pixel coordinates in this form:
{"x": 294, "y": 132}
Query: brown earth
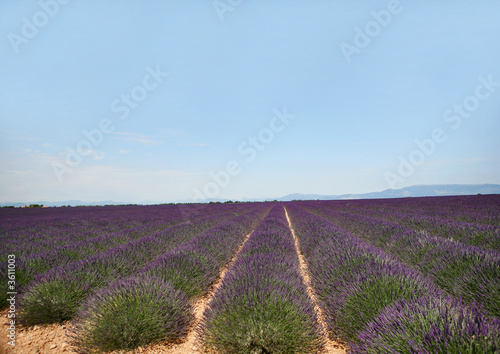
{"x": 38, "y": 339}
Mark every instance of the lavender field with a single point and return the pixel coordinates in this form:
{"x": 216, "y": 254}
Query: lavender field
{"x": 413, "y": 275}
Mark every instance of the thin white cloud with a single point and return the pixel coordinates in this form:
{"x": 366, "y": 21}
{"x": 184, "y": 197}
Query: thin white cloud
{"x": 19, "y": 173}
{"x": 196, "y": 145}
{"x": 447, "y": 162}
{"x": 136, "y": 138}
{"x": 171, "y": 132}
{"x": 98, "y": 155}
{"x": 17, "y": 135}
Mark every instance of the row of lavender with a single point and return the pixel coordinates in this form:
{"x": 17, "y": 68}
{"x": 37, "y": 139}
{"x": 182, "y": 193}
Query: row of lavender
{"x": 479, "y": 209}
{"x": 67, "y": 241}
{"x": 30, "y": 265}
{"x": 464, "y": 271}
{"x": 155, "y": 303}
{"x": 483, "y": 236}
{"x": 27, "y": 234}
{"x": 262, "y": 305}
{"x": 436, "y": 223}
{"x": 25, "y": 240}
{"x": 378, "y": 304}
{"x": 44, "y": 225}
{"x": 55, "y": 295}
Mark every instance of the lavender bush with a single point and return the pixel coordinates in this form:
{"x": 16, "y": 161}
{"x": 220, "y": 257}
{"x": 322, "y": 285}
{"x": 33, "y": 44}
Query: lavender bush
{"x": 430, "y": 325}
{"x": 149, "y": 310}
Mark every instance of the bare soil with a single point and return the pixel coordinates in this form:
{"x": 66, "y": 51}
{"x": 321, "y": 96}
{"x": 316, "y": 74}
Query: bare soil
{"x": 38, "y": 339}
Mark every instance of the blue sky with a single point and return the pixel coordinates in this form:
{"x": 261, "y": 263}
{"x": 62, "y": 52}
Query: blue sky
{"x": 189, "y": 96}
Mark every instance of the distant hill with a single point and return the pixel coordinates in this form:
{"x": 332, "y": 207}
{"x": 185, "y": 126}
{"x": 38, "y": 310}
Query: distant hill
{"x": 63, "y": 203}
{"x": 413, "y": 191}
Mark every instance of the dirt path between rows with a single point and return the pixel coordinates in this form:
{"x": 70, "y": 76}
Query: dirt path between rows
{"x": 53, "y": 339}
{"x": 38, "y": 339}
{"x": 330, "y": 346}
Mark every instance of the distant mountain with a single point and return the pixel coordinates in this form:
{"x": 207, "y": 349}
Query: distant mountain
{"x": 413, "y": 191}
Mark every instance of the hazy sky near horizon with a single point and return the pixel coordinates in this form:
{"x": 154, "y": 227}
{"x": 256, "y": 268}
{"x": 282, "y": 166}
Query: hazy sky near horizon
{"x": 129, "y": 100}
